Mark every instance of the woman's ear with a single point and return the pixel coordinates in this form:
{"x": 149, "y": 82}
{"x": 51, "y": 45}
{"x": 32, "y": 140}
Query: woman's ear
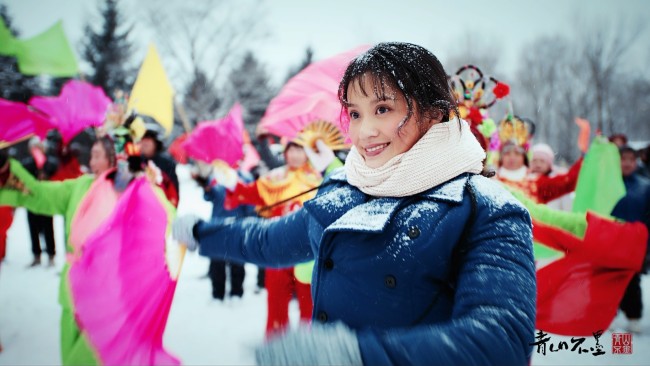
{"x": 435, "y": 117}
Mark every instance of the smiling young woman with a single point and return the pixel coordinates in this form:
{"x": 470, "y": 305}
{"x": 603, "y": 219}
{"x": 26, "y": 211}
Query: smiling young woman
{"x": 390, "y": 285}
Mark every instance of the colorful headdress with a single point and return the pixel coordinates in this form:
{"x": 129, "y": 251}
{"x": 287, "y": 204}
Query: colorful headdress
{"x": 122, "y": 127}
{"x": 116, "y": 114}
{"x": 475, "y": 93}
{"x": 516, "y": 130}
{"x": 119, "y": 125}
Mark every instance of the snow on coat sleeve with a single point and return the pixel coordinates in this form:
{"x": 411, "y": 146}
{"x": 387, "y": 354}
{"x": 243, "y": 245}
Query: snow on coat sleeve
{"x": 277, "y": 242}
{"x": 493, "y": 318}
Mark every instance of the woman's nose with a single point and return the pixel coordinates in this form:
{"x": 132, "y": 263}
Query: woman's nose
{"x": 368, "y": 128}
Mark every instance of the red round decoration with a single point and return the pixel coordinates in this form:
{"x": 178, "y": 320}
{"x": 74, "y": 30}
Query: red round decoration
{"x": 501, "y": 90}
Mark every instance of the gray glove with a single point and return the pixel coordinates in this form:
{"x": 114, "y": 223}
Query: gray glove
{"x": 182, "y": 231}
{"x": 322, "y": 158}
{"x": 319, "y": 344}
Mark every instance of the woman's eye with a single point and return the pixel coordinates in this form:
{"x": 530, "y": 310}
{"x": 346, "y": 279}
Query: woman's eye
{"x": 382, "y": 110}
{"x": 354, "y": 115}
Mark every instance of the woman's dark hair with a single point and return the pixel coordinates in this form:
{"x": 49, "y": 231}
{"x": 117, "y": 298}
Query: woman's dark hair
{"x": 107, "y": 144}
{"x": 409, "y": 68}
{"x": 156, "y": 139}
{"x": 290, "y": 145}
{"x": 627, "y": 149}
{"x": 619, "y": 136}
{"x": 511, "y": 145}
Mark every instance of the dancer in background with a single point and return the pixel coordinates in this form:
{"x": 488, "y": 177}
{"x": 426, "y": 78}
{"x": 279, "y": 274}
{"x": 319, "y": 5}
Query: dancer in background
{"x": 85, "y": 203}
{"x": 633, "y": 207}
{"x": 42, "y": 166}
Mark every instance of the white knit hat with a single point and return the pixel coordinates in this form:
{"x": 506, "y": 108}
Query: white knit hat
{"x": 544, "y": 152}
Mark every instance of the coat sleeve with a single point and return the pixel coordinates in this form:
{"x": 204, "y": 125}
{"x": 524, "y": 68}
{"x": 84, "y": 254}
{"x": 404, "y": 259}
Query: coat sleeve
{"x": 550, "y": 188}
{"x": 43, "y": 197}
{"x": 277, "y": 242}
{"x": 493, "y": 319}
{"x": 244, "y": 194}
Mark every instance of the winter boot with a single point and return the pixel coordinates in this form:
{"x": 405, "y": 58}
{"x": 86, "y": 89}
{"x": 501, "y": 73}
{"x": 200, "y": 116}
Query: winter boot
{"x": 634, "y": 326}
{"x": 35, "y": 262}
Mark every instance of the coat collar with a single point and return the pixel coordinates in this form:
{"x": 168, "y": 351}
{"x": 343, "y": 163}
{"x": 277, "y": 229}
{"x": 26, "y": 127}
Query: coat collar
{"x": 345, "y": 208}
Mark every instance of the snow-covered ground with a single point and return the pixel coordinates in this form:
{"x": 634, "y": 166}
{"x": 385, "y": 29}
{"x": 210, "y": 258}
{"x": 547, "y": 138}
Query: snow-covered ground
{"x": 200, "y": 331}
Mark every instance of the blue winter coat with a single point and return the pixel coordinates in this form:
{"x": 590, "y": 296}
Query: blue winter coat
{"x": 635, "y": 205}
{"x": 383, "y": 267}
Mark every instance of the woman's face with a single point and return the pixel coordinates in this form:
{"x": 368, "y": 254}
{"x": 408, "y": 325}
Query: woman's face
{"x": 374, "y": 124}
{"x": 628, "y": 163}
{"x": 147, "y": 147}
{"x": 99, "y": 162}
{"x": 295, "y": 156}
{"x": 512, "y": 159}
{"x": 539, "y": 165}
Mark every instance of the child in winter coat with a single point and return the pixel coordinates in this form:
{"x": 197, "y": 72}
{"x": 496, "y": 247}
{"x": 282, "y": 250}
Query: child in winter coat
{"x": 418, "y": 259}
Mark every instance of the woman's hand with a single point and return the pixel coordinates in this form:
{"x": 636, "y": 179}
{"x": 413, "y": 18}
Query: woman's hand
{"x": 322, "y": 157}
{"x": 183, "y": 231}
{"x": 332, "y": 344}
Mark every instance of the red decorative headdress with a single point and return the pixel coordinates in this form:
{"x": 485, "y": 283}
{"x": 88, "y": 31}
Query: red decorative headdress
{"x": 475, "y": 93}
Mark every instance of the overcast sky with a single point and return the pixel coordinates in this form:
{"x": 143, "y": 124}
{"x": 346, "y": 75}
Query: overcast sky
{"x": 332, "y": 26}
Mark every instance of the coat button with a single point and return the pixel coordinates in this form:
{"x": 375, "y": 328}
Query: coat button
{"x": 329, "y": 263}
{"x": 322, "y": 316}
{"x": 413, "y": 232}
{"x": 390, "y": 281}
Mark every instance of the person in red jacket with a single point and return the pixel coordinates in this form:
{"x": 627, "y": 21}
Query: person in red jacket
{"x": 6, "y": 213}
{"x": 68, "y": 162}
{"x": 6, "y": 218}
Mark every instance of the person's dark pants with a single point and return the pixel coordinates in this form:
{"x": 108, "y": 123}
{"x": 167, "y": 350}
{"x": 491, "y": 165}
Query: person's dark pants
{"x": 217, "y": 274}
{"x": 631, "y": 303}
{"x": 40, "y": 224}
{"x": 260, "y": 277}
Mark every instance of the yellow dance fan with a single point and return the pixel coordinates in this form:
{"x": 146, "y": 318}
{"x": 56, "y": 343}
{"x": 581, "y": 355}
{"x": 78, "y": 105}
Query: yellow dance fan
{"x": 321, "y": 130}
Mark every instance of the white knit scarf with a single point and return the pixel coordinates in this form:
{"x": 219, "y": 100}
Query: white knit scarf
{"x": 444, "y": 152}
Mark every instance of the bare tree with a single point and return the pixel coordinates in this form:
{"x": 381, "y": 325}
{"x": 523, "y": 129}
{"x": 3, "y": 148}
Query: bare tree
{"x": 604, "y": 45}
{"x": 201, "y": 39}
{"x": 249, "y": 84}
{"x": 630, "y": 103}
{"x": 551, "y": 88}
{"x": 579, "y": 75}
{"x": 201, "y": 99}
{"x": 538, "y": 79}
{"x": 475, "y": 49}
{"x": 308, "y": 58}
